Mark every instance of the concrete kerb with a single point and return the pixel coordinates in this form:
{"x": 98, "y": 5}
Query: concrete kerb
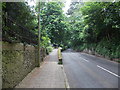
{"x": 66, "y": 80}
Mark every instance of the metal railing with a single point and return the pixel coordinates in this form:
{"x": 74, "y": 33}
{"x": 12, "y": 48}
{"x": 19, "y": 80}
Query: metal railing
{"x": 14, "y": 32}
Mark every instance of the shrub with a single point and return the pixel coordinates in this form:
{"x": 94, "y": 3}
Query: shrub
{"x": 49, "y": 49}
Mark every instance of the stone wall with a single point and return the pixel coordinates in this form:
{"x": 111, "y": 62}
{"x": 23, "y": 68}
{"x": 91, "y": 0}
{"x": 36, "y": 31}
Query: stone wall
{"x": 17, "y": 61}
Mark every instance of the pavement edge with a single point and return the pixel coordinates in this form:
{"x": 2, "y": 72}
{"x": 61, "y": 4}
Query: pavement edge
{"x": 67, "y": 86}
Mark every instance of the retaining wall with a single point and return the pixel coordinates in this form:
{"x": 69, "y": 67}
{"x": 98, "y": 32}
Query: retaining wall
{"x": 17, "y": 61}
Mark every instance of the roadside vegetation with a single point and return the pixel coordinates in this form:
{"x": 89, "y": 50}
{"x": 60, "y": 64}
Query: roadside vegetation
{"x": 96, "y": 26}
{"x": 91, "y": 26}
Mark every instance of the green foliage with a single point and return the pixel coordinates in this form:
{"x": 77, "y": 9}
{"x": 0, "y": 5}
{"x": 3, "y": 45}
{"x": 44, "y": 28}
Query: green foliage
{"x": 49, "y": 49}
{"x": 53, "y": 24}
{"x": 45, "y": 41}
{"x": 19, "y": 22}
{"x": 91, "y": 25}
{"x": 21, "y": 13}
{"x": 95, "y": 26}
{"x": 108, "y": 49}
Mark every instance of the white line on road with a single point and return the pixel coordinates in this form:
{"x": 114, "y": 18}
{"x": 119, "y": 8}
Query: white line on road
{"x": 84, "y": 59}
{"x": 108, "y": 71}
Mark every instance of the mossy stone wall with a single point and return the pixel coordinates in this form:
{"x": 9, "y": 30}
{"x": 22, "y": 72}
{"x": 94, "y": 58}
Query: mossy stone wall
{"x": 17, "y": 61}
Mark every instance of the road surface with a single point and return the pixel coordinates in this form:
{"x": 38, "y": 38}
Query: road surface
{"x": 88, "y": 71}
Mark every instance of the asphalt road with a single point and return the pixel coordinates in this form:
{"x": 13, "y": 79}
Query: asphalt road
{"x": 88, "y": 71}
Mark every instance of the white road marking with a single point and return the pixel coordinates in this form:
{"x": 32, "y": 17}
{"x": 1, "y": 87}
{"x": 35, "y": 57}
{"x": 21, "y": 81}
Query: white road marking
{"x": 84, "y": 59}
{"x": 108, "y": 71}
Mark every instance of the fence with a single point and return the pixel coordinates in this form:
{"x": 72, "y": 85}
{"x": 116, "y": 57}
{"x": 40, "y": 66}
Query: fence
{"x": 14, "y": 32}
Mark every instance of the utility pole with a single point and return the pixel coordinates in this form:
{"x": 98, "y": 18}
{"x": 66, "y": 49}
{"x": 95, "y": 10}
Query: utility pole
{"x": 39, "y": 32}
